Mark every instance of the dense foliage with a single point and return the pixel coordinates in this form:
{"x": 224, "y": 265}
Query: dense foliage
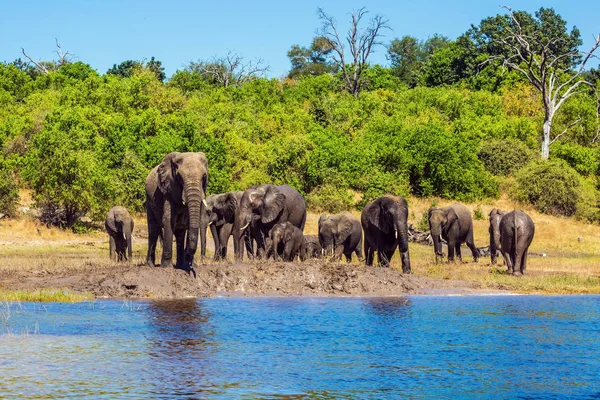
{"x": 427, "y": 126}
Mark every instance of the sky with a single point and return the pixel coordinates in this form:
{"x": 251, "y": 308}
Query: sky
{"x": 103, "y": 33}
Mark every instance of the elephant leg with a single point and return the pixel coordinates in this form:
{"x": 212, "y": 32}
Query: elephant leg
{"x": 224, "y": 235}
{"x": 111, "y": 248}
{"x": 129, "y": 248}
{"x": 471, "y": 244}
{"x": 358, "y": 250}
{"x": 368, "y": 254}
{"x": 451, "y": 247}
{"x": 524, "y": 262}
{"x": 387, "y": 257}
{"x": 215, "y": 232}
{"x": 180, "y": 242}
{"x": 457, "y": 250}
{"x": 348, "y": 257}
{"x": 508, "y": 261}
{"x": 288, "y": 252}
{"x": 167, "y": 253}
{"x": 404, "y": 255}
{"x": 517, "y": 266}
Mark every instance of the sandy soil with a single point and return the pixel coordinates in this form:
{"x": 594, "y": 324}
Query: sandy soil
{"x": 240, "y": 279}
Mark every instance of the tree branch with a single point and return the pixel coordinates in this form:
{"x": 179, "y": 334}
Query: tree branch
{"x": 572, "y": 124}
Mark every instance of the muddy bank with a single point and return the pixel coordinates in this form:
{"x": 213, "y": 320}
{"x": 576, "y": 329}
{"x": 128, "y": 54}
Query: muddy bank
{"x": 239, "y": 279}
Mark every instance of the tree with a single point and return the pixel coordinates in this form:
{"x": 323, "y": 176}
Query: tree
{"x": 230, "y": 70}
{"x": 311, "y": 61}
{"x": 409, "y": 56}
{"x": 361, "y": 44}
{"x": 45, "y": 67}
{"x": 547, "y": 56}
{"x": 127, "y": 68}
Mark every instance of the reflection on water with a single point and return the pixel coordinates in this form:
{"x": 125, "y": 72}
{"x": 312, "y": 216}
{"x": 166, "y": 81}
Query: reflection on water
{"x": 433, "y": 347}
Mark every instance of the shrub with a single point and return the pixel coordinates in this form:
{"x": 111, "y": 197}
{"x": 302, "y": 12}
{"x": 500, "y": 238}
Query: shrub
{"x": 551, "y": 186}
{"x": 9, "y": 193}
{"x": 329, "y": 198}
{"x": 504, "y": 157}
{"x": 583, "y": 159}
{"x": 588, "y": 202}
{"x": 478, "y": 214}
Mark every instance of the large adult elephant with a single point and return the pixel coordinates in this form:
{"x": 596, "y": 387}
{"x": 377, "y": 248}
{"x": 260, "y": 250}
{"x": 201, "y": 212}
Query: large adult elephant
{"x": 175, "y": 197}
{"x": 455, "y": 225}
{"x": 219, "y": 215}
{"x": 260, "y": 208}
{"x": 119, "y": 226}
{"x": 341, "y": 234}
{"x": 385, "y": 222}
{"x": 516, "y": 233}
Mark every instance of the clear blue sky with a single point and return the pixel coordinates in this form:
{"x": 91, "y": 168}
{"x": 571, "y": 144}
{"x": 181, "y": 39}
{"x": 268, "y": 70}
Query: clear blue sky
{"x": 102, "y": 33}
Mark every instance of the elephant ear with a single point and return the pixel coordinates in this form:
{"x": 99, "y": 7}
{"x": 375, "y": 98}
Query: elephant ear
{"x": 451, "y": 217}
{"x": 287, "y": 234}
{"x": 376, "y": 216}
{"x": 322, "y": 218}
{"x": 166, "y": 177}
{"x": 230, "y": 205}
{"x": 272, "y": 204}
{"x": 110, "y": 221}
{"x": 204, "y": 162}
{"x": 344, "y": 229}
{"x": 493, "y": 212}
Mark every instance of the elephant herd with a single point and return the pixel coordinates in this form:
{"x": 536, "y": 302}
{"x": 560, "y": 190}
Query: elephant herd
{"x": 267, "y": 221}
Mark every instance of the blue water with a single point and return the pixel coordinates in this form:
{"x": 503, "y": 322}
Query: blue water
{"x": 414, "y": 347}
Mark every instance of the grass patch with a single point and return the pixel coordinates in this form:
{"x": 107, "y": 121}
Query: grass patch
{"x": 44, "y": 296}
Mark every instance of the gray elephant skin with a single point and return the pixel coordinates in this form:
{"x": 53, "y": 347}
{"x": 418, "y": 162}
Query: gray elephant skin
{"x": 455, "y": 225}
{"x": 286, "y": 241}
{"x": 219, "y": 215}
{"x": 262, "y": 207}
{"x": 385, "y": 223}
{"x": 340, "y": 234}
{"x": 516, "y": 233}
{"x": 494, "y": 230}
{"x": 175, "y": 197}
{"x": 311, "y": 247}
{"x": 119, "y": 226}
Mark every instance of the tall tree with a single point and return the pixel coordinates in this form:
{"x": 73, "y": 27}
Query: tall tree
{"x": 409, "y": 55}
{"x": 313, "y": 60}
{"x": 547, "y": 56}
{"x": 361, "y": 43}
{"x": 128, "y": 67}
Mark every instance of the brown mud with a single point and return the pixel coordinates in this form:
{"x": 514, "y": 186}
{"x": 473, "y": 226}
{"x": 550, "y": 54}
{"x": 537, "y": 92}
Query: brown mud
{"x": 112, "y": 280}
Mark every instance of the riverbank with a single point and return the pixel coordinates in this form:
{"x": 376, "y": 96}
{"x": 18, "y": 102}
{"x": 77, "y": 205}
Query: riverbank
{"x": 48, "y": 264}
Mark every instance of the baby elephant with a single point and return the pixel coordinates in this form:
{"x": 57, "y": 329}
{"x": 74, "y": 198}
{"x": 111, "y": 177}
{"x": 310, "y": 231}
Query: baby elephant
{"x": 341, "y": 234}
{"x": 119, "y": 226}
{"x": 310, "y": 248}
{"x": 286, "y": 240}
{"x": 512, "y": 233}
{"x": 455, "y": 225}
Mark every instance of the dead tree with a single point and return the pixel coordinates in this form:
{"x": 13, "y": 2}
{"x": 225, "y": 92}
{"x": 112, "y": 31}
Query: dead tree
{"x": 231, "y": 70}
{"x": 535, "y": 58}
{"x": 361, "y": 44}
{"x": 44, "y": 67}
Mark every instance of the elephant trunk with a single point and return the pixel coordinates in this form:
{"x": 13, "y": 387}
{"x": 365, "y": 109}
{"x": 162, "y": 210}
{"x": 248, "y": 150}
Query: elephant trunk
{"x": 437, "y": 242}
{"x": 127, "y": 236}
{"x": 194, "y": 196}
{"x": 402, "y": 235}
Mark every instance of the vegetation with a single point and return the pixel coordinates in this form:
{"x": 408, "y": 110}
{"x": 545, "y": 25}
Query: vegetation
{"x": 437, "y": 122}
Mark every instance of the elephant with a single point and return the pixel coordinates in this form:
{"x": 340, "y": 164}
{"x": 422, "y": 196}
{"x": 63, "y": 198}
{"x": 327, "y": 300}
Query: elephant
{"x": 310, "y": 248}
{"x": 341, "y": 234}
{"x": 262, "y": 207}
{"x": 119, "y": 226}
{"x": 516, "y": 233}
{"x": 286, "y": 240}
{"x": 455, "y": 225}
{"x": 385, "y": 223}
{"x": 219, "y": 214}
{"x": 175, "y": 198}
{"x": 495, "y": 217}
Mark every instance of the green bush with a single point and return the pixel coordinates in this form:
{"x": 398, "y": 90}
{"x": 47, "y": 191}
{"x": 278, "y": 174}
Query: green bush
{"x": 9, "y": 193}
{"x": 583, "y": 159}
{"x": 551, "y": 186}
{"x": 329, "y": 199}
{"x": 588, "y": 202}
{"x": 504, "y": 157}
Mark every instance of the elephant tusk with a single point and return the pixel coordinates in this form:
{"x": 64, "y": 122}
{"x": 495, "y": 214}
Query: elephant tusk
{"x": 245, "y": 226}
{"x": 204, "y": 202}
{"x": 124, "y": 237}
{"x": 183, "y": 201}
{"x": 210, "y": 223}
